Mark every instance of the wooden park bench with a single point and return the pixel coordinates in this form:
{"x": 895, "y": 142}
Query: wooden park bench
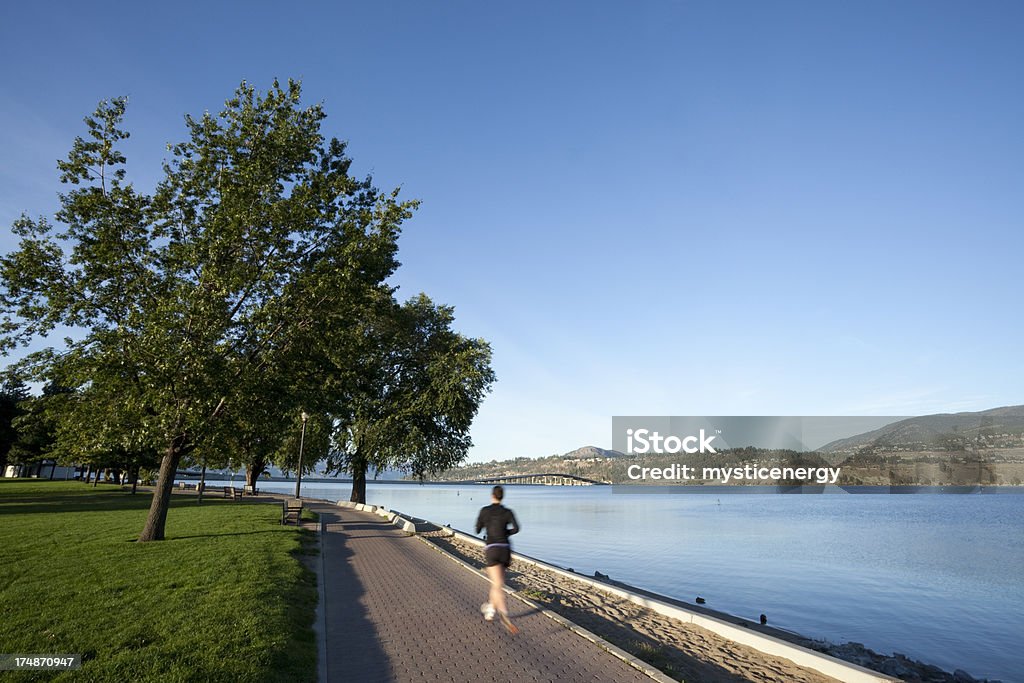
{"x": 291, "y": 509}
{"x": 251, "y": 490}
{"x": 232, "y": 493}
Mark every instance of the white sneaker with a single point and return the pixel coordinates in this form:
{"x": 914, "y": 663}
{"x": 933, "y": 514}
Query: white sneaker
{"x": 488, "y": 611}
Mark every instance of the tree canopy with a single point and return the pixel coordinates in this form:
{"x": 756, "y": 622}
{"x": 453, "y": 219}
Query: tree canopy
{"x": 232, "y": 295}
{"x": 414, "y": 397}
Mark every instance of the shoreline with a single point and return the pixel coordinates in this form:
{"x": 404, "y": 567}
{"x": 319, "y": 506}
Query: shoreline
{"x": 681, "y": 649}
{"x": 675, "y": 647}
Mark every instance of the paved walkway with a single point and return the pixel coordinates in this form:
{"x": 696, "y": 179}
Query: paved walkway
{"x": 395, "y": 610}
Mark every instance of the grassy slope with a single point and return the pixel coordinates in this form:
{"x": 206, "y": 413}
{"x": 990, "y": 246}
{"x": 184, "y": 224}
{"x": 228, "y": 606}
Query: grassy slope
{"x": 225, "y": 597}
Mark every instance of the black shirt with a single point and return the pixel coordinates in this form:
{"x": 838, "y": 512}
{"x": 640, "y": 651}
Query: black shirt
{"x": 496, "y": 519}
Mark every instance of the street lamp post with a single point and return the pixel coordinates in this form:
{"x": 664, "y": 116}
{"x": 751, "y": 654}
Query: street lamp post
{"x": 302, "y": 443}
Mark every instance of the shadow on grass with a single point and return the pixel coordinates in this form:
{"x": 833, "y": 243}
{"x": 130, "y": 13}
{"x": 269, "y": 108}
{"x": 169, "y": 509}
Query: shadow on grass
{"x": 225, "y": 534}
{"x": 98, "y": 502}
{"x": 94, "y": 500}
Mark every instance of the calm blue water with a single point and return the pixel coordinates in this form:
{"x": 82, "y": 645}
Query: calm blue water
{"x": 936, "y": 577}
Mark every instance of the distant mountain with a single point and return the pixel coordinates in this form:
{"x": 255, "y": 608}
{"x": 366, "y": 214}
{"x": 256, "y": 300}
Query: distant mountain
{"x": 388, "y": 475}
{"x": 988, "y": 426}
{"x": 589, "y": 452}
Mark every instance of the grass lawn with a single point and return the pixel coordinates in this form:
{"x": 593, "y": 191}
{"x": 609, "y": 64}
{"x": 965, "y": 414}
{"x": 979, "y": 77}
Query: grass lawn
{"x": 224, "y": 598}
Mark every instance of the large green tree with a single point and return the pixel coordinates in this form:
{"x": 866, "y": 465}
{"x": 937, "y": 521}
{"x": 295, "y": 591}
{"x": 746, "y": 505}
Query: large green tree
{"x": 412, "y": 403}
{"x": 253, "y": 247}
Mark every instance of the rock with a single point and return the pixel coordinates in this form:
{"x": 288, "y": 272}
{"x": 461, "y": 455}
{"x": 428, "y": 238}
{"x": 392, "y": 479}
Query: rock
{"x": 894, "y": 667}
{"x": 851, "y": 652}
{"x": 962, "y": 676}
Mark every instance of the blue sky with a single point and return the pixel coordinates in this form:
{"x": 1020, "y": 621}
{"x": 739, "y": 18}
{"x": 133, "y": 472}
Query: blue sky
{"x": 656, "y": 208}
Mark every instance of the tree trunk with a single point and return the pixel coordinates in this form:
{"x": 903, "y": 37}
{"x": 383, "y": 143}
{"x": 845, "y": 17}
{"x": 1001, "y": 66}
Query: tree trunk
{"x": 202, "y": 484}
{"x": 133, "y": 475}
{"x": 87, "y": 474}
{"x": 358, "y": 484}
{"x": 157, "y": 519}
{"x": 253, "y": 470}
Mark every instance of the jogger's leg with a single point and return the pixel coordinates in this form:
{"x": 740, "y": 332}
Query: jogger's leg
{"x": 496, "y": 573}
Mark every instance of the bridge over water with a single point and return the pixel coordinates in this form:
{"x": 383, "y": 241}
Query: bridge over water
{"x": 545, "y": 478}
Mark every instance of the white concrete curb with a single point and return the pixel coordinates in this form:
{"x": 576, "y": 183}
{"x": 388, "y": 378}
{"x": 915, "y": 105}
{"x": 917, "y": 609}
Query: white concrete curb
{"x": 395, "y": 518}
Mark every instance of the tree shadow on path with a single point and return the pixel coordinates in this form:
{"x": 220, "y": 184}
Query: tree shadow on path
{"x": 354, "y": 652}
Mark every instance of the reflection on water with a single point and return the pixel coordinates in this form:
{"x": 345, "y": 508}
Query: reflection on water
{"x": 936, "y": 577}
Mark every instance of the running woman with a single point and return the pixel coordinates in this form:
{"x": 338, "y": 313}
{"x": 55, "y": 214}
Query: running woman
{"x": 500, "y": 523}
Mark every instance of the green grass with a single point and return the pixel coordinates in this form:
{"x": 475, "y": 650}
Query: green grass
{"x": 224, "y": 598}
{"x": 654, "y": 654}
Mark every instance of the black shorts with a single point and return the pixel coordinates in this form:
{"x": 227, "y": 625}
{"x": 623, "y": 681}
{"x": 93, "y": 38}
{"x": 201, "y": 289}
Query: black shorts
{"x": 498, "y": 554}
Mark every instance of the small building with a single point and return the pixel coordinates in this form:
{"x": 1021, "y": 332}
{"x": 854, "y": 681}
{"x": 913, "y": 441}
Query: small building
{"x": 44, "y": 469}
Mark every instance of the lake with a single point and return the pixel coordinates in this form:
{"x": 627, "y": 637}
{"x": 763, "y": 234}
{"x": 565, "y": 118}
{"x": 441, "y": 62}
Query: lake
{"x": 936, "y": 577}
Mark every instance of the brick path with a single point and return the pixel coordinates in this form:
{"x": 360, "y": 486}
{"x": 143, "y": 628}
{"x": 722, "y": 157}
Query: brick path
{"x": 398, "y": 611}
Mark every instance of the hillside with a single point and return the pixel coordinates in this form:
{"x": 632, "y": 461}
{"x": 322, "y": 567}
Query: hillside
{"x": 995, "y": 428}
{"x": 589, "y": 461}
